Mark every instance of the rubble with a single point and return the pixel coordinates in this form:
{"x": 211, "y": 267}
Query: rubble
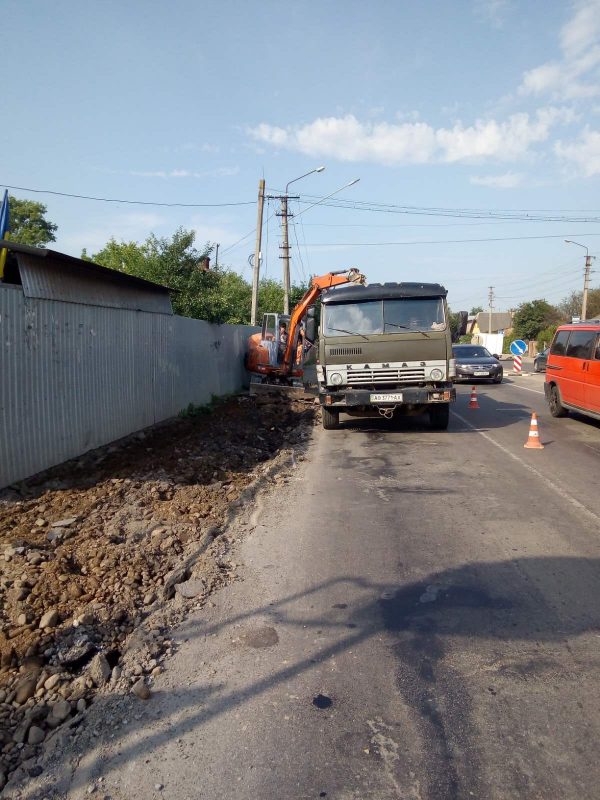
{"x": 90, "y": 548}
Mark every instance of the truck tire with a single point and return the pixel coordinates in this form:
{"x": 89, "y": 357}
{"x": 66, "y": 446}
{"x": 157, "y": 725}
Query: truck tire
{"x": 331, "y": 419}
{"x": 556, "y": 407}
{"x": 439, "y": 417}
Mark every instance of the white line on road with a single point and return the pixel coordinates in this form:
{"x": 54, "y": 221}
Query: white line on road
{"x": 555, "y": 488}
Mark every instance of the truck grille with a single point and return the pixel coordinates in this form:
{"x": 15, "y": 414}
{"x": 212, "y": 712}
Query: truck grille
{"x": 344, "y": 351}
{"x": 358, "y": 377}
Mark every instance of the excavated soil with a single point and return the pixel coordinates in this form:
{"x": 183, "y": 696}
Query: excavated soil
{"x": 92, "y": 547}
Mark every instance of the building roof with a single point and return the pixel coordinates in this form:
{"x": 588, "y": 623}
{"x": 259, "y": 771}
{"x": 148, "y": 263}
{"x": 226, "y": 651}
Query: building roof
{"x": 501, "y": 320}
{"x": 50, "y": 275}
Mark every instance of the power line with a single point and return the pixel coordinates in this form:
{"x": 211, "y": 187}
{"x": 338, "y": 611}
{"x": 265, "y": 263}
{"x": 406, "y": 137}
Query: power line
{"x": 448, "y": 241}
{"x": 520, "y": 215}
{"x": 131, "y": 202}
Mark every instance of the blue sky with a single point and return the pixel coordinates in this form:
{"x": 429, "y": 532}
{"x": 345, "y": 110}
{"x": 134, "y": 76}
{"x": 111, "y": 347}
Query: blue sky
{"x": 457, "y": 112}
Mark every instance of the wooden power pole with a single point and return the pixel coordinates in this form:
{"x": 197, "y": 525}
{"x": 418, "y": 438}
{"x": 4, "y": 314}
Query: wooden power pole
{"x": 257, "y": 251}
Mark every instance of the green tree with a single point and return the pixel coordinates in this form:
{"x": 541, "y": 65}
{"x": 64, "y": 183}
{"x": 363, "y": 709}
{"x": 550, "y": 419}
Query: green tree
{"x": 571, "y": 305}
{"x": 531, "y": 318}
{"x": 216, "y": 295}
{"x": 475, "y": 310}
{"x": 28, "y": 223}
{"x": 545, "y": 336}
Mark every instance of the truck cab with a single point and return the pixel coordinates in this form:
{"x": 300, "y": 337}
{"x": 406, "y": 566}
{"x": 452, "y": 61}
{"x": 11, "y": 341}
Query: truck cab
{"x": 386, "y": 349}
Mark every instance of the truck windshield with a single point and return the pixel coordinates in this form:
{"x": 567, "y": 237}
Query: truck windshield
{"x": 385, "y": 316}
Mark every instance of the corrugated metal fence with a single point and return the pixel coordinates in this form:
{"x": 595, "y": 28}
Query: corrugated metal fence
{"x": 74, "y": 377}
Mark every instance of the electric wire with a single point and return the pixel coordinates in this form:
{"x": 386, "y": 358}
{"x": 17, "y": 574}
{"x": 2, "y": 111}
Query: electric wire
{"x": 130, "y": 202}
{"x": 450, "y": 241}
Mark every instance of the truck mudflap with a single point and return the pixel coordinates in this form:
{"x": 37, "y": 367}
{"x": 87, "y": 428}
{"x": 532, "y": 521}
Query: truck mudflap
{"x": 406, "y": 395}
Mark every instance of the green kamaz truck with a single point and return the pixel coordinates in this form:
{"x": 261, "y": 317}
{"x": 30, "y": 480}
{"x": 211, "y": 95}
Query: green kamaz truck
{"x": 386, "y": 349}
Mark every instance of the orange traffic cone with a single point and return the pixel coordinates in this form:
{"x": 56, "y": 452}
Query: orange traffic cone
{"x": 533, "y": 440}
{"x": 473, "y": 401}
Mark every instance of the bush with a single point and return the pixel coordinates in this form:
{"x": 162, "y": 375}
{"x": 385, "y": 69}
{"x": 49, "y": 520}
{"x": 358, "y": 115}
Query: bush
{"x": 545, "y": 337}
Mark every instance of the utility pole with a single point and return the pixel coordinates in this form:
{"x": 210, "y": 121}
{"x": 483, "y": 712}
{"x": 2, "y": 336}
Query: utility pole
{"x": 216, "y": 255}
{"x": 285, "y": 249}
{"x": 586, "y": 286}
{"x": 586, "y": 277}
{"x": 491, "y": 306}
{"x": 257, "y": 249}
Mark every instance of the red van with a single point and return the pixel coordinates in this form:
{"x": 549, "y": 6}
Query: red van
{"x": 573, "y": 370}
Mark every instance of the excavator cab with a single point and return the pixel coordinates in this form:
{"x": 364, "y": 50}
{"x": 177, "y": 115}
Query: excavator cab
{"x": 270, "y": 338}
{"x": 265, "y": 351}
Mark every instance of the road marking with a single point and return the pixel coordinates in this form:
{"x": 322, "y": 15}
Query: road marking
{"x": 555, "y": 488}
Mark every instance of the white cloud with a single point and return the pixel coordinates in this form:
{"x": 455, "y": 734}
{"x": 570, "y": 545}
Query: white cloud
{"x": 348, "y": 139}
{"x": 583, "y": 152}
{"x": 509, "y": 180}
{"x": 576, "y": 74}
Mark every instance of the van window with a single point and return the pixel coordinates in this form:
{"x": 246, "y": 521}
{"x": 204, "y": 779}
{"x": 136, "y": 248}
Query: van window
{"x": 597, "y": 349}
{"x": 580, "y": 344}
{"x": 559, "y": 345}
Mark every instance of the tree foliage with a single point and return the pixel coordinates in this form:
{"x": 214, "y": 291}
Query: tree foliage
{"x": 215, "y": 295}
{"x": 532, "y": 317}
{"x": 28, "y": 223}
{"x": 571, "y": 306}
{"x": 545, "y": 336}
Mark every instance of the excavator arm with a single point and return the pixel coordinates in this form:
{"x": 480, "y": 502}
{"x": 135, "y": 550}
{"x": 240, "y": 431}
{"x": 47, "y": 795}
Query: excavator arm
{"x": 318, "y": 284}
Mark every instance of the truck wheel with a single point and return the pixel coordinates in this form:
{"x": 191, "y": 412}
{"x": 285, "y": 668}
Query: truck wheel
{"x": 556, "y": 407}
{"x": 439, "y": 417}
{"x": 331, "y": 419}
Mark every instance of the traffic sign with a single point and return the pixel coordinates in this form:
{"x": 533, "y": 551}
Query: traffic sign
{"x": 518, "y": 347}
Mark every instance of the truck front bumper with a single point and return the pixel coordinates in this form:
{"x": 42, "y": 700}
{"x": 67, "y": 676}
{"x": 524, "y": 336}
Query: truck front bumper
{"x": 411, "y": 396}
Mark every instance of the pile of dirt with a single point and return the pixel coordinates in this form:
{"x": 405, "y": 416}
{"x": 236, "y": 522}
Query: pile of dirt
{"x": 90, "y": 548}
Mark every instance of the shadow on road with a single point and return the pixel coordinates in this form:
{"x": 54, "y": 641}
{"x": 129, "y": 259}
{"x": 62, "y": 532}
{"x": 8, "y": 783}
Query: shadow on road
{"x": 539, "y": 600}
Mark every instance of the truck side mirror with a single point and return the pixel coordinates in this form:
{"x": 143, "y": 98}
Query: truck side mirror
{"x": 310, "y": 312}
{"x": 311, "y": 329}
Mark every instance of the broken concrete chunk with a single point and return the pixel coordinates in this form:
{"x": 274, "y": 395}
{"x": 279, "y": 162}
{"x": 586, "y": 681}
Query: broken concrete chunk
{"x": 64, "y": 523}
{"x": 99, "y": 669}
{"x": 141, "y": 690}
{"x": 190, "y": 589}
{"x": 50, "y": 619}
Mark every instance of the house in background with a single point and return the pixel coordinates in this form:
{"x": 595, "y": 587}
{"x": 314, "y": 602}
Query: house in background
{"x": 501, "y": 322}
{"x": 479, "y": 329}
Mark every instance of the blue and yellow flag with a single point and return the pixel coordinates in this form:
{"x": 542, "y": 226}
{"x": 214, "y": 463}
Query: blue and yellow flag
{"x": 4, "y": 219}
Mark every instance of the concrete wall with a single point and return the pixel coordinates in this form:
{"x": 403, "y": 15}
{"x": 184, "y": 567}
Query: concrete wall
{"x": 74, "y": 377}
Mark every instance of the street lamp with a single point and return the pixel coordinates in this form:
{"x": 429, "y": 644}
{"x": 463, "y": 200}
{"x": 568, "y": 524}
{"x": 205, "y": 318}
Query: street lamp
{"x": 586, "y": 277}
{"x": 285, "y": 246}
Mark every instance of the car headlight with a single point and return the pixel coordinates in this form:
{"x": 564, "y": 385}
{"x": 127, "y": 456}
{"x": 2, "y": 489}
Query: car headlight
{"x": 336, "y": 379}
{"x": 436, "y": 374}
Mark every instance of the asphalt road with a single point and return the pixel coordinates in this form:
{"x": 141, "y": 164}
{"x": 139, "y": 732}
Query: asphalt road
{"x": 419, "y": 617}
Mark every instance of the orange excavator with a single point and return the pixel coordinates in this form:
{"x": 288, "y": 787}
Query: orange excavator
{"x": 276, "y": 355}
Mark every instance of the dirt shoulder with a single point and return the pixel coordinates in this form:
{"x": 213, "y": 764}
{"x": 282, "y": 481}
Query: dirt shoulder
{"x": 90, "y": 549}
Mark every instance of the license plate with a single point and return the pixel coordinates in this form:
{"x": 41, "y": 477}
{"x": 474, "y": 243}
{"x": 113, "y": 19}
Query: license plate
{"x": 386, "y": 398}
{"x": 481, "y": 372}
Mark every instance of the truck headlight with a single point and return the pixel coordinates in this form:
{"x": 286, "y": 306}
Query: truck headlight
{"x": 436, "y": 374}
{"x": 336, "y": 379}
